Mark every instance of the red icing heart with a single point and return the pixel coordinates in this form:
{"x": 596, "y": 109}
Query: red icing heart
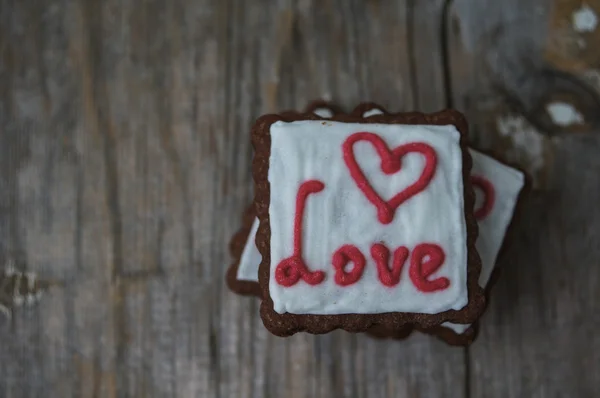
{"x": 391, "y": 163}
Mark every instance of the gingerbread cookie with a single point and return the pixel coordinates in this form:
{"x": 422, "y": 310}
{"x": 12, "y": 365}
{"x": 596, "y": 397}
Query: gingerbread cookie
{"x": 365, "y": 222}
{"x": 498, "y": 188}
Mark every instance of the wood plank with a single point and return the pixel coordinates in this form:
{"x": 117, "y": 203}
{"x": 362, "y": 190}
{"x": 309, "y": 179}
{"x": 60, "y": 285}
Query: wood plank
{"x": 380, "y": 34}
{"x": 538, "y": 337}
{"x": 125, "y": 158}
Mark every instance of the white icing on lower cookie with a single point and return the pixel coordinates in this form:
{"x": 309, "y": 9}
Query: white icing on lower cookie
{"x": 507, "y": 182}
{"x": 251, "y": 258}
{"x": 341, "y": 214}
{"x": 323, "y": 112}
{"x": 373, "y": 112}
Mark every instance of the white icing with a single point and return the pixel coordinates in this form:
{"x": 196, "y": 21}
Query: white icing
{"x": 507, "y": 182}
{"x": 341, "y": 214}
{"x": 323, "y": 112}
{"x": 584, "y": 19}
{"x": 251, "y": 258}
{"x": 372, "y": 112}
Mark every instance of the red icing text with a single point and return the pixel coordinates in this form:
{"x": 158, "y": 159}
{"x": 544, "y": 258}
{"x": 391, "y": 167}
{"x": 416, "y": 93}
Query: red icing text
{"x": 381, "y": 255}
{"x": 489, "y": 196}
{"x": 341, "y": 258}
{"x": 290, "y": 270}
{"x": 391, "y": 163}
{"x": 425, "y": 259}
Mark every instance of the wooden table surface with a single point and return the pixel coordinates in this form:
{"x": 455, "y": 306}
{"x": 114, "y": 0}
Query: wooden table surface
{"x": 125, "y": 166}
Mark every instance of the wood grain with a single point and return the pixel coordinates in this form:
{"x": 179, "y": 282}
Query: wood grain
{"x": 125, "y": 166}
{"x": 538, "y": 337}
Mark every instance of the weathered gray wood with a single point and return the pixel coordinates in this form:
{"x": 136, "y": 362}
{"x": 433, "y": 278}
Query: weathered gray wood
{"x": 125, "y": 166}
{"x": 539, "y": 335}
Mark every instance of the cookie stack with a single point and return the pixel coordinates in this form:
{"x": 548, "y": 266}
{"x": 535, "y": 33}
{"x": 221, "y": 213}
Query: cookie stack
{"x": 372, "y": 222}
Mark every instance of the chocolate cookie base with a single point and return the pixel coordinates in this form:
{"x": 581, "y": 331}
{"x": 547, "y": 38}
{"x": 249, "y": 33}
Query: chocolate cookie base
{"x": 287, "y": 324}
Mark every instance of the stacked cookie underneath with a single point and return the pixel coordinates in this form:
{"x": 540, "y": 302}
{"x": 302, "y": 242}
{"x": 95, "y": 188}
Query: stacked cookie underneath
{"x": 372, "y": 222}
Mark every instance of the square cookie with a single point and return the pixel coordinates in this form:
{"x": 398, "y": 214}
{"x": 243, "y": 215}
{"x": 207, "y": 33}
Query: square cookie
{"x": 365, "y": 222}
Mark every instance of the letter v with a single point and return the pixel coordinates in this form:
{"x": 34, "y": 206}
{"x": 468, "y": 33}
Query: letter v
{"x": 381, "y": 255}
